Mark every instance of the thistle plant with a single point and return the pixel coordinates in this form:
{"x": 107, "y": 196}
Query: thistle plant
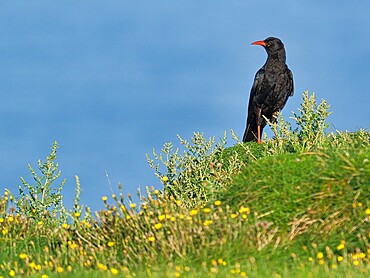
{"x": 40, "y": 200}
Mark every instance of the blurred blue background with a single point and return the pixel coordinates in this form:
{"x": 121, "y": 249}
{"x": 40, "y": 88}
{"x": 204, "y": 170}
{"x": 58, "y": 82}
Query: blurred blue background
{"x": 110, "y": 80}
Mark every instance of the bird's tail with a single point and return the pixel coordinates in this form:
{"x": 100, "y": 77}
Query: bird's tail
{"x": 250, "y": 133}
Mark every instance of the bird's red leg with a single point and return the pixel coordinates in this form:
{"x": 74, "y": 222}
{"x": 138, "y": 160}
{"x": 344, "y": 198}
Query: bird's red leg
{"x": 259, "y": 134}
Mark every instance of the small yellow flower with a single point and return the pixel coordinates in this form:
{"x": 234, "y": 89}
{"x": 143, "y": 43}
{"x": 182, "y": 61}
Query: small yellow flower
{"x": 207, "y": 210}
{"x": 151, "y": 238}
{"x": 334, "y": 266}
{"x": 340, "y": 258}
{"x": 114, "y": 271}
{"x": 156, "y": 192}
{"x": 128, "y": 217}
{"x": 217, "y": 203}
{"x": 4, "y": 231}
{"x": 69, "y": 268}
{"x": 40, "y": 223}
{"x": 207, "y": 222}
{"x": 37, "y": 267}
{"x": 12, "y": 273}
{"x": 77, "y": 214}
{"x": 133, "y": 205}
{"x": 60, "y": 269}
{"x": 321, "y": 261}
{"x": 244, "y": 210}
{"x": 110, "y": 243}
{"x": 356, "y": 262}
{"x": 32, "y": 265}
{"x": 102, "y": 267}
{"x": 340, "y": 246}
{"x": 310, "y": 259}
{"x": 177, "y": 274}
{"x": 161, "y": 217}
{"x": 233, "y": 215}
{"x": 243, "y": 274}
{"x": 65, "y": 225}
{"x": 104, "y": 198}
{"x": 367, "y": 211}
{"x": 1, "y": 220}
{"x": 10, "y": 218}
{"x": 194, "y": 212}
{"x": 165, "y": 179}
{"x": 73, "y": 245}
{"x": 44, "y": 276}
{"x": 158, "y": 226}
{"x": 320, "y": 255}
{"x": 23, "y": 256}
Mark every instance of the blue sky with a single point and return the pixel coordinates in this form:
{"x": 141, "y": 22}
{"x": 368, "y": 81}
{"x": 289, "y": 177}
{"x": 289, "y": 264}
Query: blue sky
{"x": 110, "y": 80}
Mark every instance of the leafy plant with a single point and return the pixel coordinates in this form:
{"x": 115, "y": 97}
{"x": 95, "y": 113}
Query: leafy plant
{"x": 40, "y": 200}
{"x": 310, "y": 131}
{"x": 194, "y": 176}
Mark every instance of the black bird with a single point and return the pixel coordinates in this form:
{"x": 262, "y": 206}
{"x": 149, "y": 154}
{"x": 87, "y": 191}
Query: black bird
{"x": 273, "y": 85}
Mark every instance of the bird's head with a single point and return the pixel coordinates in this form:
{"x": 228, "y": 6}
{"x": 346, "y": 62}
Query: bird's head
{"x": 272, "y": 46}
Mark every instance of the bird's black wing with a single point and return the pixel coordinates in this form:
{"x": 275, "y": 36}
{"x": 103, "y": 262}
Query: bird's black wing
{"x": 256, "y": 89}
{"x": 250, "y": 133}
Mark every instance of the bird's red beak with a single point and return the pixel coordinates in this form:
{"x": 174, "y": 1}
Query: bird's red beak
{"x": 259, "y": 43}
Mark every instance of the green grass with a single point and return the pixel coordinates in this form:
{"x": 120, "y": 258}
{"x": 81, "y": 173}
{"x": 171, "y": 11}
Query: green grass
{"x": 275, "y": 218}
{"x": 295, "y": 206}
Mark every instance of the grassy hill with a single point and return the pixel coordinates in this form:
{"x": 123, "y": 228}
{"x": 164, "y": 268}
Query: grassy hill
{"x": 296, "y": 206}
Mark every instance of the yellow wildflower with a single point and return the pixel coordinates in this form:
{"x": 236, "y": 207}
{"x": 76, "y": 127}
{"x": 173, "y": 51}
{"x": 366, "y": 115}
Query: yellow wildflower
{"x": 23, "y": 256}
{"x": 44, "y": 276}
{"x": 233, "y": 215}
{"x": 194, "y": 212}
{"x": 10, "y": 218}
{"x": 158, "y": 226}
{"x": 114, "y": 271}
{"x": 217, "y": 203}
{"x": 367, "y": 211}
{"x": 65, "y": 225}
{"x": 102, "y": 267}
{"x": 244, "y": 210}
{"x": 11, "y": 273}
{"x": 77, "y": 214}
{"x": 104, "y": 198}
{"x": 161, "y": 217}
{"x": 151, "y": 238}
{"x": 207, "y": 222}
{"x": 110, "y": 243}
{"x": 32, "y": 265}
{"x": 320, "y": 255}
{"x": 60, "y": 269}
{"x": 340, "y": 246}
{"x": 133, "y": 205}
{"x": 165, "y": 179}
{"x": 356, "y": 262}
{"x": 207, "y": 210}
{"x": 340, "y": 258}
